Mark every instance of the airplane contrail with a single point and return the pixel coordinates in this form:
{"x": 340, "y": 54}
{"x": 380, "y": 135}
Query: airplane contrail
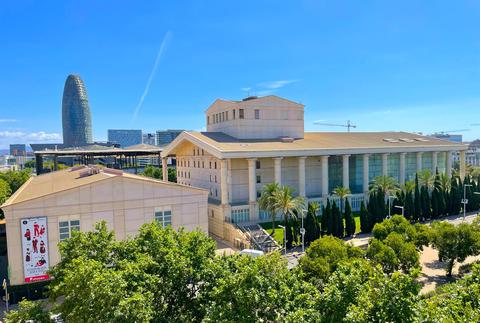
{"x": 165, "y": 41}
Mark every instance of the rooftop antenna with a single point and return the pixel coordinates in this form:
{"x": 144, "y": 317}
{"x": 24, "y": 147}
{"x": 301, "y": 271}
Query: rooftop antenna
{"x": 348, "y": 125}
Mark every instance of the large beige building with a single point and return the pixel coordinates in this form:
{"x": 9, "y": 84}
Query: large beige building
{"x": 257, "y": 141}
{"x": 47, "y": 208}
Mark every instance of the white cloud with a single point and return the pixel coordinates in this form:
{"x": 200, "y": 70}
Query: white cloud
{"x": 20, "y": 136}
{"x": 8, "y": 120}
{"x": 276, "y": 84}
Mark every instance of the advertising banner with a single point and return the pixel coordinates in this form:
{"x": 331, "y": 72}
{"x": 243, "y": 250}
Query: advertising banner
{"x": 34, "y": 248}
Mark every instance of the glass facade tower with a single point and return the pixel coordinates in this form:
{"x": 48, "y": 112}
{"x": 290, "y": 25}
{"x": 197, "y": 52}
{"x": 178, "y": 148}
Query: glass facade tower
{"x": 76, "y": 116}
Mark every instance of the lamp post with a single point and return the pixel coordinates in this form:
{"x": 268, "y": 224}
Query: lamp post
{"x": 284, "y": 238}
{"x": 400, "y": 207}
{"x": 302, "y": 232}
{"x": 389, "y": 206}
{"x": 464, "y": 200}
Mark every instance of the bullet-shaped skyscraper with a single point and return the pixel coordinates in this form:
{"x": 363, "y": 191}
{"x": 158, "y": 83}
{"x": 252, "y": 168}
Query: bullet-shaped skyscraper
{"x": 76, "y": 116}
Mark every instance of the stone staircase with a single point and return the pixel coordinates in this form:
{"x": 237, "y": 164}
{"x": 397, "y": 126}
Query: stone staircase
{"x": 259, "y": 238}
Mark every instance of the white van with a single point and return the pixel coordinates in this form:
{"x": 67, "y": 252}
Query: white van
{"x": 252, "y": 253}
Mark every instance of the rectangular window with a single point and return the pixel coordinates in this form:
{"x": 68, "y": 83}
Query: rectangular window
{"x": 259, "y": 179}
{"x": 208, "y": 120}
{"x": 257, "y": 114}
{"x": 223, "y": 116}
{"x": 241, "y": 114}
{"x": 226, "y": 115}
{"x": 65, "y": 228}
{"x": 164, "y": 216}
{"x": 257, "y": 164}
{"x": 234, "y": 114}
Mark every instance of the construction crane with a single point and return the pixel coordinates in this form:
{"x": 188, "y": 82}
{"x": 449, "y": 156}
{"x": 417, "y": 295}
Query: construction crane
{"x": 348, "y": 125}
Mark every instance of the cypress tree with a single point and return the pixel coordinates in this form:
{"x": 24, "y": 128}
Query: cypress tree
{"x": 324, "y": 221}
{"x": 435, "y": 203}
{"x": 364, "y": 219}
{"x": 289, "y": 233}
{"x": 426, "y": 207}
{"x": 349, "y": 220}
{"x": 409, "y": 211}
{"x": 417, "y": 204}
{"x": 339, "y": 226}
{"x": 330, "y": 218}
{"x": 381, "y": 207}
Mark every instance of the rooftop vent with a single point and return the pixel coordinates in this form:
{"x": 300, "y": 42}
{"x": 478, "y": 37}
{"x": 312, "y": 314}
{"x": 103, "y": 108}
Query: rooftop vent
{"x": 252, "y": 97}
{"x": 286, "y": 139}
{"x": 391, "y": 140}
{"x": 78, "y": 167}
{"x": 421, "y": 139}
{"x": 113, "y": 171}
{"x": 89, "y": 171}
{"x": 406, "y": 140}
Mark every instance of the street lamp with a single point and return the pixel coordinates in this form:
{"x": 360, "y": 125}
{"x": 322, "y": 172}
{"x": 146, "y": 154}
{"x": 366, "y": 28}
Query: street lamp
{"x": 284, "y": 238}
{"x": 400, "y": 207}
{"x": 389, "y": 206}
{"x": 464, "y": 200}
{"x": 302, "y": 232}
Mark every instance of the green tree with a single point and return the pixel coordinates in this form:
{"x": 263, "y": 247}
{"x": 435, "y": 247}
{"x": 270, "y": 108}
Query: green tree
{"x": 417, "y": 201}
{"x": 156, "y": 172}
{"x": 322, "y": 257}
{"x": 349, "y": 220}
{"x": 29, "y": 311}
{"x": 455, "y": 243}
{"x": 267, "y": 201}
{"x": 386, "y": 299}
{"x": 15, "y": 179}
{"x": 160, "y": 273}
{"x": 5, "y": 193}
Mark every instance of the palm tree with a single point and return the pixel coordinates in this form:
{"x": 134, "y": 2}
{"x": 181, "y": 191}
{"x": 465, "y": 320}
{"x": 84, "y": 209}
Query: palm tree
{"x": 427, "y": 179}
{"x": 385, "y": 184}
{"x": 266, "y": 202}
{"x": 444, "y": 182}
{"x": 342, "y": 193}
{"x": 288, "y": 205}
{"x": 409, "y": 186}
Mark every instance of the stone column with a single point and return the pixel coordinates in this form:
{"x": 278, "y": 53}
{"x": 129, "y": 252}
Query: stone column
{"x": 419, "y": 161}
{"x": 385, "y": 164}
{"x": 402, "y": 168}
{"x": 324, "y": 161}
{"x": 252, "y": 181}
{"x": 346, "y": 171}
{"x": 366, "y": 174}
{"x": 449, "y": 161}
{"x": 301, "y": 176}
{"x": 164, "y": 169}
{"x": 462, "y": 164}
{"x": 224, "y": 181}
{"x": 434, "y": 161}
{"x": 277, "y": 164}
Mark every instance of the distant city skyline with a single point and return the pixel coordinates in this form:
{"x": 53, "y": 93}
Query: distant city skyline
{"x": 152, "y": 66}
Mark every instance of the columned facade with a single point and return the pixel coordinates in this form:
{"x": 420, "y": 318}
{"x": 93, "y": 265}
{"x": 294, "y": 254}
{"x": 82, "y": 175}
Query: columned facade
{"x": 301, "y": 176}
{"x": 462, "y": 164}
{"x": 324, "y": 163}
{"x": 434, "y": 161}
{"x": 402, "y": 168}
{"x": 366, "y": 172}
{"x": 385, "y": 164}
{"x": 346, "y": 171}
{"x": 277, "y": 162}
{"x": 224, "y": 181}
{"x": 419, "y": 161}
{"x": 252, "y": 180}
{"x": 449, "y": 163}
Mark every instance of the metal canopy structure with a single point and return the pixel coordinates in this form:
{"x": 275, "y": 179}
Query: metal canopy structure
{"x": 122, "y": 157}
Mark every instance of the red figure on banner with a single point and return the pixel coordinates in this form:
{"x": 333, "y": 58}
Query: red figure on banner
{"x": 42, "y": 230}
{"x": 36, "y": 230}
{"x": 34, "y": 243}
{"x": 27, "y": 234}
{"x": 42, "y": 247}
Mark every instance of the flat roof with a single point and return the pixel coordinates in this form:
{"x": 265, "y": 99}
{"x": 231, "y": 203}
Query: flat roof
{"x": 320, "y": 143}
{"x": 101, "y": 150}
{"x": 63, "y": 180}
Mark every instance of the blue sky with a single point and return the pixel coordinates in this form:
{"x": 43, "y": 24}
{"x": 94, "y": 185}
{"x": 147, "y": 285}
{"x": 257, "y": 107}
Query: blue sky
{"x": 385, "y": 65}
